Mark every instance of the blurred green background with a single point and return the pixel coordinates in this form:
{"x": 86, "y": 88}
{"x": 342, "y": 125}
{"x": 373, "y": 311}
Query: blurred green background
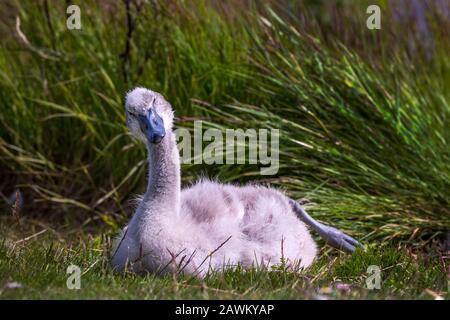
{"x": 363, "y": 114}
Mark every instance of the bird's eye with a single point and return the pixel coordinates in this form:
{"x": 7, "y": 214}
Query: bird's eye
{"x": 131, "y": 114}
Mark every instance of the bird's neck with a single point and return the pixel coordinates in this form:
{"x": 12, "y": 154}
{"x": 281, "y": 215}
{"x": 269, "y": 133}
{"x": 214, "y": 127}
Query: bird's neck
{"x": 162, "y": 197}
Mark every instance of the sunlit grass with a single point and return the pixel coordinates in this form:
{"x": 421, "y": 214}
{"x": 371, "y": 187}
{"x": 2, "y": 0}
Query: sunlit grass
{"x": 37, "y": 269}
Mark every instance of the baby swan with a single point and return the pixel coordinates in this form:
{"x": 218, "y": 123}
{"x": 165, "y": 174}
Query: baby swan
{"x": 208, "y": 226}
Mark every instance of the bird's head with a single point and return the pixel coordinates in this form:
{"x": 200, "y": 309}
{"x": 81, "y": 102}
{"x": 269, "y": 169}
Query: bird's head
{"x": 149, "y": 116}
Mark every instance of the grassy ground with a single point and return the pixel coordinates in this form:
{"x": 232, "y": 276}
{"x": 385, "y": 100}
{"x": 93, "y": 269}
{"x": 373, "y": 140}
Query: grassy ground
{"x": 363, "y": 117}
{"x": 39, "y": 266}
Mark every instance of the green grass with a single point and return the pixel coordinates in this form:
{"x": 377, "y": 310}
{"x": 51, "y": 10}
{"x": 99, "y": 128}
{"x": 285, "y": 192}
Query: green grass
{"x": 363, "y": 116}
{"x": 40, "y": 266}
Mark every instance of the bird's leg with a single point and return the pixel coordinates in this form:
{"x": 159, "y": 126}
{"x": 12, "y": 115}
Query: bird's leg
{"x": 332, "y": 236}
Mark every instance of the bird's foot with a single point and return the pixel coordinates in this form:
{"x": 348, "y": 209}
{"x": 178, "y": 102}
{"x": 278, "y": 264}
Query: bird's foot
{"x": 338, "y": 239}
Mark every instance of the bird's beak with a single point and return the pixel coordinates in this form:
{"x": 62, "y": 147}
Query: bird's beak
{"x": 152, "y": 126}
